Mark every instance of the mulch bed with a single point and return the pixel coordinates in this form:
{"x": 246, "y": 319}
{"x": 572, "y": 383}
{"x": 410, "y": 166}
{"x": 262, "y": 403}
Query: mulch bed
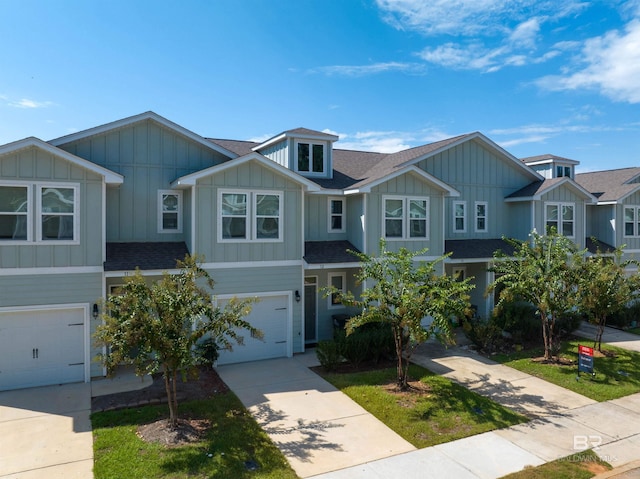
{"x": 205, "y": 386}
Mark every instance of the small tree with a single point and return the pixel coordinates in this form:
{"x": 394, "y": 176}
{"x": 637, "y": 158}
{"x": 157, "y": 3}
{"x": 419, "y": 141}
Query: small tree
{"x": 401, "y": 292}
{"x": 543, "y": 272}
{"x": 605, "y": 289}
{"x": 157, "y": 327}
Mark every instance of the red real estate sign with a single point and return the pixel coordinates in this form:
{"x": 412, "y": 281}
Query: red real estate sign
{"x": 585, "y": 359}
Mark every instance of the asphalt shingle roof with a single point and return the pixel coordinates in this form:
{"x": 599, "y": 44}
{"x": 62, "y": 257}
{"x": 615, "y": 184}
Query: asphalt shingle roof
{"x": 609, "y": 185}
{"x": 146, "y": 256}
{"x": 320, "y": 252}
{"x": 477, "y": 248}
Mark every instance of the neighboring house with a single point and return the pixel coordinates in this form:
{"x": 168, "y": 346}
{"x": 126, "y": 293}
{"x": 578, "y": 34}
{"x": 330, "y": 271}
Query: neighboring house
{"x": 275, "y": 220}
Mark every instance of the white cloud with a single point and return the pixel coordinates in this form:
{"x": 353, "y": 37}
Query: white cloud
{"x": 387, "y": 141}
{"x": 372, "y": 69}
{"x": 611, "y": 65}
{"x": 27, "y": 103}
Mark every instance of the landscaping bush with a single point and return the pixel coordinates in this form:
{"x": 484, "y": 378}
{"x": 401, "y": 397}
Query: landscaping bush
{"x": 625, "y": 317}
{"x": 485, "y": 334}
{"x": 519, "y": 319}
{"x": 329, "y": 355}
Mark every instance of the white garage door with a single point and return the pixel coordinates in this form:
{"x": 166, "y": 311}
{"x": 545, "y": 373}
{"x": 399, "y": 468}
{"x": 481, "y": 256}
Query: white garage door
{"x": 41, "y": 347}
{"x": 271, "y": 316}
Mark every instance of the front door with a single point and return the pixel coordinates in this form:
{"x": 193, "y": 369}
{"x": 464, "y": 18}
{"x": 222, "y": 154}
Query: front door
{"x": 310, "y": 309}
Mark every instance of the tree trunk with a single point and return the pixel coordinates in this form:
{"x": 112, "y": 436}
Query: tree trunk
{"x": 169, "y": 377}
{"x": 599, "y": 332}
{"x": 547, "y": 337}
{"x": 400, "y": 369}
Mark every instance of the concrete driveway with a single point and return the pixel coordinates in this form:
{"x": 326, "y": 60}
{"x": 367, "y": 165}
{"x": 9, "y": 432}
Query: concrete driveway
{"x": 318, "y": 428}
{"x": 46, "y": 432}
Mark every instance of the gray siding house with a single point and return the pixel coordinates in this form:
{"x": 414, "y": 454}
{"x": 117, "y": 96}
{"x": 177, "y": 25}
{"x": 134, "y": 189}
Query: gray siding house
{"x": 276, "y": 220}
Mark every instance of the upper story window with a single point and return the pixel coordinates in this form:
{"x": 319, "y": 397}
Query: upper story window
{"x": 561, "y": 216}
{"x": 459, "y": 216}
{"x": 57, "y": 213}
{"x": 481, "y": 217}
{"x": 53, "y": 208}
{"x": 406, "y": 218}
{"x": 563, "y": 171}
{"x": 310, "y": 158}
{"x": 632, "y": 221}
{"x": 170, "y": 211}
{"x": 14, "y": 213}
{"x": 250, "y": 216}
{"x": 336, "y": 215}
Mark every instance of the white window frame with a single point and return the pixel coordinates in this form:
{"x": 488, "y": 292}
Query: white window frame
{"x": 635, "y": 220}
{"x": 331, "y": 304}
{"x": 28, "y": 215}
{"x": 560, "y": 223}
{"x": 178, "y": 195}
{"x": 251, "y": 216}
{"x": 40, "y": 187}
{"x": 406, "y": 218}
{"x": 455, "y": 217}
{"x": 311, "y": 144}
{"x": 331, "y": 214}
{"x": 477, "y": 217}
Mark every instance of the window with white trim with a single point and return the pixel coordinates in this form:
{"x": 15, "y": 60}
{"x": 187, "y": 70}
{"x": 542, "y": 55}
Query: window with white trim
{"x": 459, "y": 216}
{"x": 561, "y": 216}
{"x": 169, "y": 211}
{"x": 57, "y": 213}
{"x": 336, "y": 215}
{"x": 339, "y": 282}
{"x": 250, "y": 216}
{"x": 15, "y": 212}
{"x": 481, "y": 216}
{"x": 310, "y": 157}
{"x": 405, "y": 218}
{"x": 563, "y": 171}
{"x": 632, "y": 221}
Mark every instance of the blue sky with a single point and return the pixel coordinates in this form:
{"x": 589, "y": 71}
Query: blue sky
{"x": 535, "y": 76}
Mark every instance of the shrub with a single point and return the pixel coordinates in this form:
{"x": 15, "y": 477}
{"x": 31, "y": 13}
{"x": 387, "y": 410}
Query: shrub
{"x": 329, "y": 355}
{"x": 485, "y": 334}
{"x": 519, "y": 319}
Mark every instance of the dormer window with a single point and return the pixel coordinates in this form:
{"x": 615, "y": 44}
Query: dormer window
{"x": 563, "y": 171}
{"x": 310, "y": 157}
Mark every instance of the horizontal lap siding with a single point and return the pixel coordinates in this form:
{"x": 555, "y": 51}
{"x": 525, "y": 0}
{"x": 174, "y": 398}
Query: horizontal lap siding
{"x": 54, "y": 289}
{"x": 33, "y": 165}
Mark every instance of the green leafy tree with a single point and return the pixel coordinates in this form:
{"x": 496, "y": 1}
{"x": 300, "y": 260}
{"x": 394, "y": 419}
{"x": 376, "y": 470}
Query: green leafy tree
{"x": 543, "y": 272}
{"x": 401, "y": 292}
{"x": 158, "y": 326}
{"x": 605, "y": 289}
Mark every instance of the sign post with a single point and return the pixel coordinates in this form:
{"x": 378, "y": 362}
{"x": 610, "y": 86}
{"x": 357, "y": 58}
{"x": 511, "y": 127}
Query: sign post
{"x": 585, "y": 360}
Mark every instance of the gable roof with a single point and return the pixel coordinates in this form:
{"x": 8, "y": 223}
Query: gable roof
{"x": 534, "y": 191}
{"x": 147, "y": 116}
{"x": 192, "y": 178}
{"x": 610, "y": 186}
{"x": 110, "y": 177}
{"x": 547, "y": 158}
{"x": 146, "y": 255}
{"x": 303, "y": 133}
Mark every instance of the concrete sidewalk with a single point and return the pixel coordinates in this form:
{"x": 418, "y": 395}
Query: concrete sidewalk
{"x": 615, "y": 337}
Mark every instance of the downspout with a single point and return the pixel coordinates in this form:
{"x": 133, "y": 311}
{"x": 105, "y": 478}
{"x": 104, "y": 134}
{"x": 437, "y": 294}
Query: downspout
{"x": 192, "y": 246}
{"x": 302, "y": 292}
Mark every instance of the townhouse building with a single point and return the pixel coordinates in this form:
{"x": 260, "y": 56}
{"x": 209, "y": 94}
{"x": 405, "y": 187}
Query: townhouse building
{"x": 274, "y": 220}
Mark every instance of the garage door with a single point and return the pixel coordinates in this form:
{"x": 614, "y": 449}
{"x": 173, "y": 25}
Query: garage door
{"x": 271, "y": 316}
{"x": 41, "y": 347}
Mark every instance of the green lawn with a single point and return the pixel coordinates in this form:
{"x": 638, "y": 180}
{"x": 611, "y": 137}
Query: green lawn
{"x": 233, "y": 439}
{"x": 633, "y": 330}
{"x": 445, "y": 412}
{"x": 582, "y": 465}
{"x": 615, "y": 376}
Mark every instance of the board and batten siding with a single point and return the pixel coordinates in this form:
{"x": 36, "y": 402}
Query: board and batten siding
{"x": 601, "y": 224}
{"x": 33, "y": 166}
{"x": 317, "y": 218}
{"x": 356, "y": 221}
{"x": 54, "y": 289}
{"x": 632, "y": 243}
{"x": 250, "y": 176}
{"x": 239, "y": 280}
{"x": 479, "y": 175}
{"x": 407, "y": 185}
{"x": 563, "y": 195}
{"x": 520, "y": 221}
{"x": 279, "y": 153}
{"x": 149, "y": 156}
